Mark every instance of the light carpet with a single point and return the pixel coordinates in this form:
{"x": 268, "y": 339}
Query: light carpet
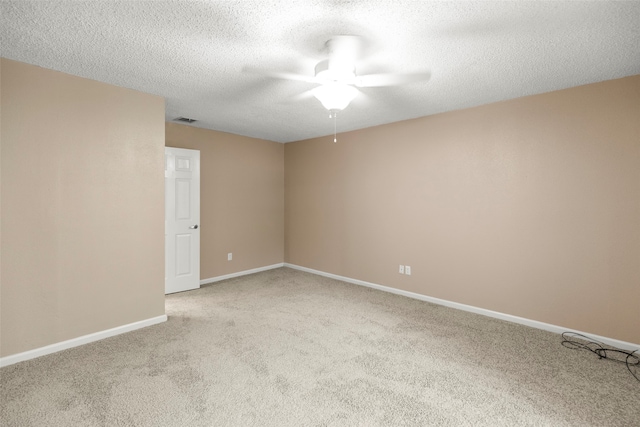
{"x": 289, "y": 348}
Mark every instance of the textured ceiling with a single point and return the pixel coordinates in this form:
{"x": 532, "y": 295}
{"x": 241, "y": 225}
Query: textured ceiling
{"x": 193, "y": 53}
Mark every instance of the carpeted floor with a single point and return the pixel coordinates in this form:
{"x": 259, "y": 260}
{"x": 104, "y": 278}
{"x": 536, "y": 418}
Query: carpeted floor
{"x": 288, "y": 348}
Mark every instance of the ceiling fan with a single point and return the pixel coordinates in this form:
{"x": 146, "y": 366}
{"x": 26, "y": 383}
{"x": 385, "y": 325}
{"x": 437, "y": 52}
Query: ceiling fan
{"x": 336, "y": 75}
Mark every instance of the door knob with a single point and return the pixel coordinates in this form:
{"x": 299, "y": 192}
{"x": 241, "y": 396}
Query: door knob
{"x": 193, "y": 227}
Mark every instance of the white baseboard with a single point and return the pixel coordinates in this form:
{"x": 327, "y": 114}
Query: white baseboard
{"x": 240, "y": 273}
{"x": 508, "y": 317}
{"x": 75, "y": 342}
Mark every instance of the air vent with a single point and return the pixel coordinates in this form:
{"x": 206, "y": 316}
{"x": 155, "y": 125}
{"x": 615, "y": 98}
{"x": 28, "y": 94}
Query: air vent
{"x": 184, "y": 119}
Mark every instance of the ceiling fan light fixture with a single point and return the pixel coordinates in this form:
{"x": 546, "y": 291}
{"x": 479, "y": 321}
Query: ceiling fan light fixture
{"x": 335, "y": 96}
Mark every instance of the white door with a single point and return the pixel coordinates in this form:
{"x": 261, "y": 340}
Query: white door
{"x": 181, "y": 219}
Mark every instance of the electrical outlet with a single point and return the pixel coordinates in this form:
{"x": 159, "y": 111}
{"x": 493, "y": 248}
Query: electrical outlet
{"x": 401, "y": 270}
{"x": 407, "y": 270}
{"x": 229, "y": 256}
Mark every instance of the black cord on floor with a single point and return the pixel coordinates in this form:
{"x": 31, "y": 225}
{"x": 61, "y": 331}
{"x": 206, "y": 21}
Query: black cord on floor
{"x": 629, "y": 358}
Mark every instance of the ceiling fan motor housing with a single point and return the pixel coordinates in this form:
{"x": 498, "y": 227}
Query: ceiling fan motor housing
{"x": 336, "y": 70}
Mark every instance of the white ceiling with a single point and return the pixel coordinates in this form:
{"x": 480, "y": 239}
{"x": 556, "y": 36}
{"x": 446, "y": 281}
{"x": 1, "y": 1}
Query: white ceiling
{"x": 193, "y": 53}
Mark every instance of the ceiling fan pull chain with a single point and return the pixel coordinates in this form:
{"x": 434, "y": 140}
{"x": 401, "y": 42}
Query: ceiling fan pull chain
{"x": 335, "y": 115}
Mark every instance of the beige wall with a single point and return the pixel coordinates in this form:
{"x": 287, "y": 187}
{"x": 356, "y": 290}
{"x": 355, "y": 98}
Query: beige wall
{"x": 82, "y": 207}
{"x": 241, "y": 199}
{"x": 529, "y": 207}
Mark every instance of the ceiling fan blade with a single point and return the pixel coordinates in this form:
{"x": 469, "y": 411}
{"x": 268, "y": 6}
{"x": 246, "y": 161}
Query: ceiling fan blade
{"x": 283, "y": 75}
{"x": 302, "y": 96}
{"x": 377, "y": 80}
